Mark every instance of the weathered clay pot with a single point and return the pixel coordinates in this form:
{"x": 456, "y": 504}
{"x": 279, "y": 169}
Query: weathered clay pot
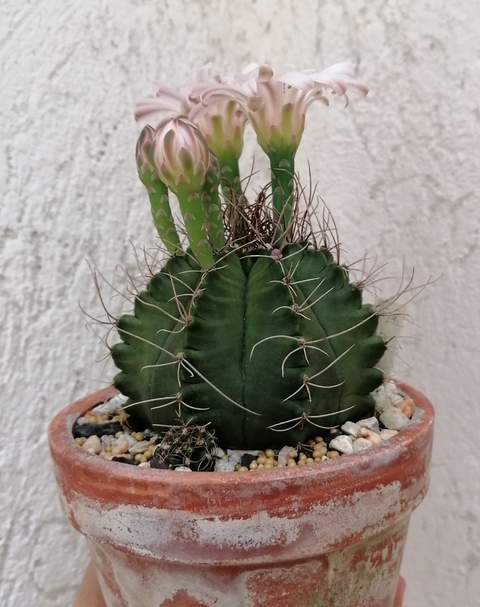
{"x": 329, "y": 535}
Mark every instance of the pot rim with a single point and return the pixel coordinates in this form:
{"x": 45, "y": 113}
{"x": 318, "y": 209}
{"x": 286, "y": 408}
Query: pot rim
{"x": 66, "y": 452}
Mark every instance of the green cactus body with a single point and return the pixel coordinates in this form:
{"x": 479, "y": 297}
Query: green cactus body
{"x": 270, "y": 348}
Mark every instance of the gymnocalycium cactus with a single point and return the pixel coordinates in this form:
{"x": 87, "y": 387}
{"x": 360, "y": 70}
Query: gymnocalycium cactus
{"x": 255, "y": 328}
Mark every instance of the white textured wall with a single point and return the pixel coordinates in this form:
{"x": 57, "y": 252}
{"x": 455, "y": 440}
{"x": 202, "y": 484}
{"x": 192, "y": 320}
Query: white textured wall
{"x": 400, "y": 172}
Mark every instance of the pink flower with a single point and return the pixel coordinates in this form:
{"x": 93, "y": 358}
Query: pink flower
{"x": 276, "y": 103}
{"x": 222, "y": 124}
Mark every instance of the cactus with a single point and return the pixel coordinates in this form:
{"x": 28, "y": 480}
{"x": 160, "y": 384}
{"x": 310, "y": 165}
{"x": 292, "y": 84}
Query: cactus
{"x": 186, "y": 445}
{"x": 261, "y": 336}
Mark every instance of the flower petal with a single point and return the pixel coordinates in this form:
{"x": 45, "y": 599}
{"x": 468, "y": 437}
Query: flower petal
{"x": 170, "y": 93}
{"x": 148, "y": 107}
{"x": 298, "y": 80}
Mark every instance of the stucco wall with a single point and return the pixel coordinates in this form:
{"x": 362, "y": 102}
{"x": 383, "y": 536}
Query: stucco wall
{"x": 399, "y": 171}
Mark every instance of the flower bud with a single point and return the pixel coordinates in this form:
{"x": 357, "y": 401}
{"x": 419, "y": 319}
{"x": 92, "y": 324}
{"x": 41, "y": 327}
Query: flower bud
{"x": 143, "y": 152}
{"x": 181, "y": 156}
{"x": 157, "y": 192}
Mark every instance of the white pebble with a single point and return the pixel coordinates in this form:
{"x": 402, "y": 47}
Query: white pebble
{"x": 387, "y": 395}
{"x": 393, "y": 393}
{"x": 350, "y": 428}
{"x": 285, "y": 453}
{"x": 139, "y": 447}
{"x": 361, "y": 444}
{"x": 371, "y": 423}
{"x": 235, "y": 455}
{"x": 224, "y": 465}
{"x": 110, "y": 406}
{"x": 394, "y": 419}
{"x": 183, "y": 469}
{"x": 387, "y": 434}
{"x": 105, "y": 409}
{"x": 107, "y": 440}
{"x": 127, "y": 437}
{"x": 380, "y": 398}
{"x": 342, "y": 443}
{"x": 82, "y": 420}
{"x": 217, "y": 452}
{"x": 92, "y": 444}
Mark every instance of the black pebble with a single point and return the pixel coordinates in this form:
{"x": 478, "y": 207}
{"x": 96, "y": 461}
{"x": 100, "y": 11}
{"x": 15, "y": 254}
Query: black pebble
{"x": 156, "y": 463}
{"x": 86, "y": 430}
{"x": 247, "y": 459}
{"x": 124, "y": 460}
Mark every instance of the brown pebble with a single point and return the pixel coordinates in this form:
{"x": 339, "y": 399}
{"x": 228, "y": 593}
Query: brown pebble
{"x": 407, "y": 407}
{"x": 120, "y": 448}
{"x": 92, "y": 445}
{"x": 123, "y": 415}
{"x": 333, "y": 454}
{"x": 373, "y": 437}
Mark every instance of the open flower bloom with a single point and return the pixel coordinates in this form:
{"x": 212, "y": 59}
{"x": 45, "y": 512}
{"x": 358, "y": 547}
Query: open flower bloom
{"x": 222, "y": 124}
{"x": 181, "y": 156}
{"x": 276, "y": 103}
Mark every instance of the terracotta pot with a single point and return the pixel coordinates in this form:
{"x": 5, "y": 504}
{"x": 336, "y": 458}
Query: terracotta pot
{"x": 329, "y": 535}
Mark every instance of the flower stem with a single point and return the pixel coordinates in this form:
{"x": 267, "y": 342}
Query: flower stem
{"x": 161, "y": 212}
{"x": 193, "y": 216}
{"x": 282, "y": 168}
{"x": 213, "y": 211}
{"x": 231, "y": 185}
